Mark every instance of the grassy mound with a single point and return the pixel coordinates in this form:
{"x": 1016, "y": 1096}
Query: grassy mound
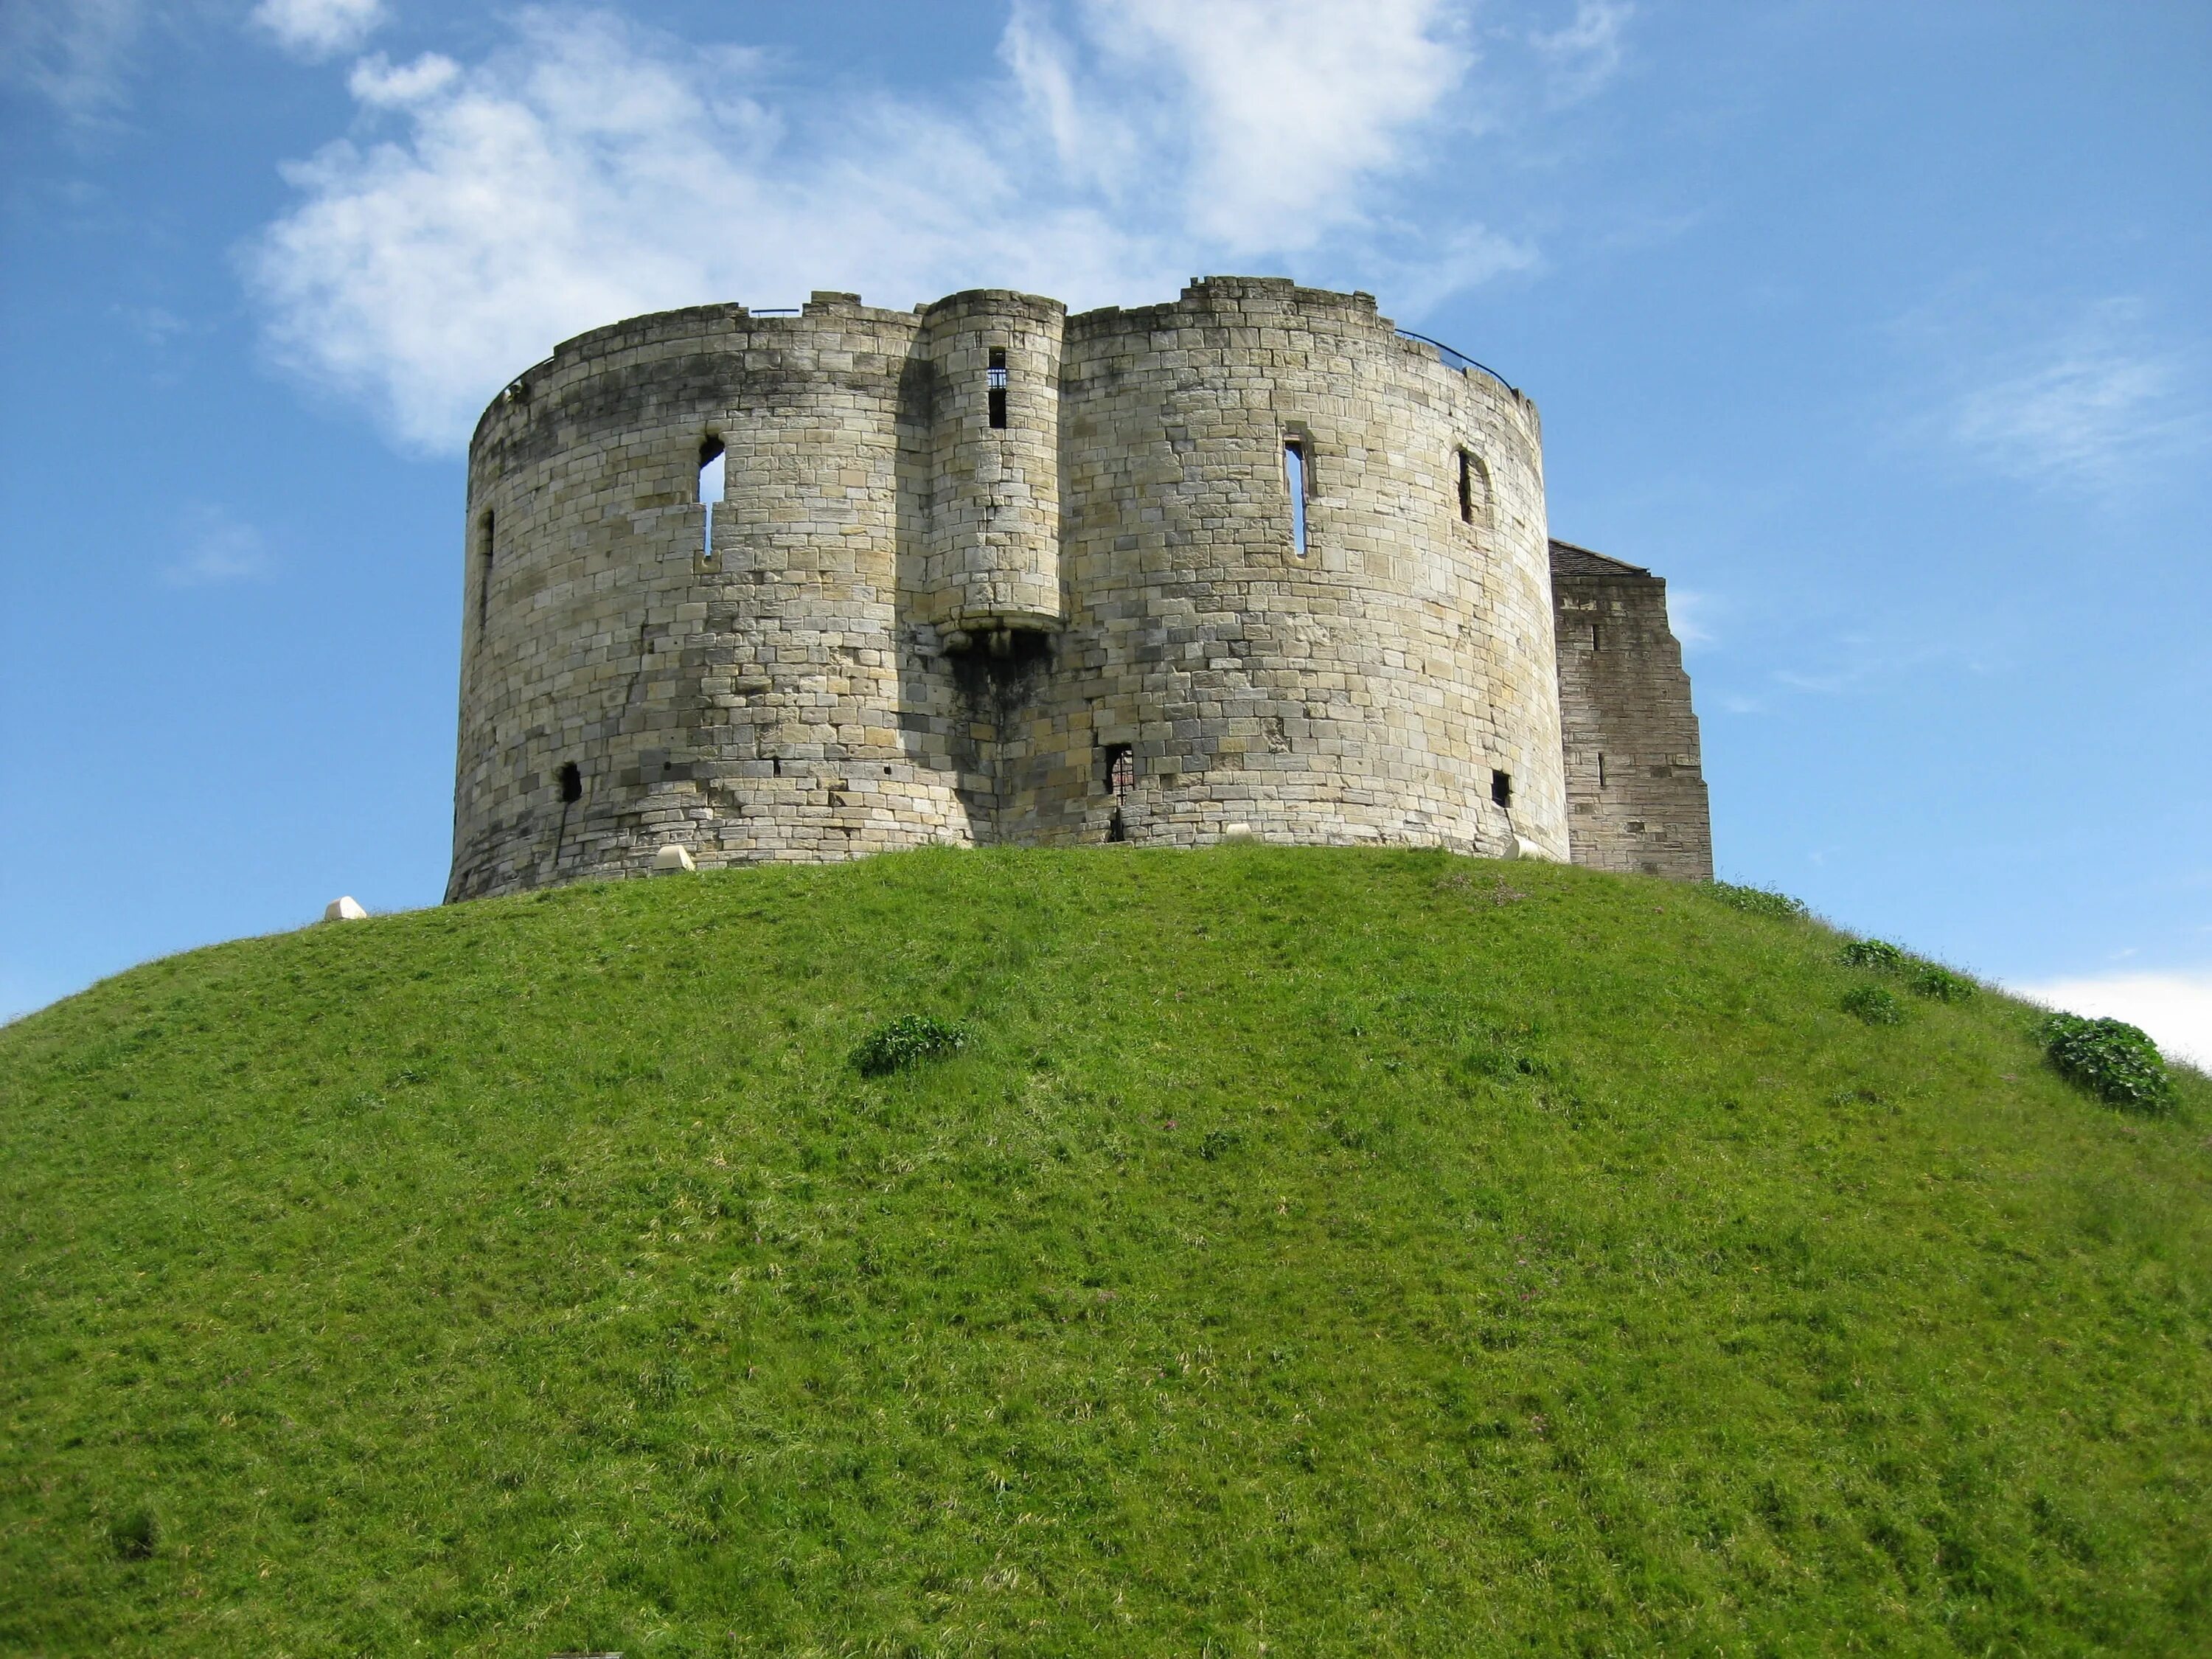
{"x": 1291, "y": 1252}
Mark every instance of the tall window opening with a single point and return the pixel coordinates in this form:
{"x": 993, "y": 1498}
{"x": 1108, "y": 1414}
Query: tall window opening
{"x": 572, "y": 783}
{"x": 1501, "y": 789}
{"x": 1297, "y": 477}
{"x": 484, "y": 575}
{"x": 1600, "y": 771}
{"x": 713, "y": 471}
{"x": 1473, "y": 489}
{"x": 1597, "y": 636}
{"x": 996, "y": 385}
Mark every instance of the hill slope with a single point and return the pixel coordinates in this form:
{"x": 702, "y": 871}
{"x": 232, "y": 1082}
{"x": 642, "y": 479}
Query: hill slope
{"x": 1311, "y": 1253}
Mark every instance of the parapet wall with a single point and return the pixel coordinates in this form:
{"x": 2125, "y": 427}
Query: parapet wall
{"x": 1090, "y": 623}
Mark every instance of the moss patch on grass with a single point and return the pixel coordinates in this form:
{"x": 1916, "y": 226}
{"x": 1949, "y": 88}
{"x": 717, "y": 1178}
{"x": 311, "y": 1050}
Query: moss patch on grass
{"x": 1307, "y": 1252}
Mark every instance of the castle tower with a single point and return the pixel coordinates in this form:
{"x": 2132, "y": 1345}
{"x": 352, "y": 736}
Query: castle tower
{"x": 1249, "y": 562}
{"x": 992, "y": 563}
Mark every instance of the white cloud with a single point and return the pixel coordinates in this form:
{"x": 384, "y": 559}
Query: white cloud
{"x": 2175, "y": 1008}
{"x": 72, "y": 52}
{"x": 2089, "y": 407}
{"x": 214, "y": 547}
{"x": 1693, "y": 615}
{"x": 316, "y": 30}
{"x": 1586, "y": 53}
{"x": 593, "y": 168}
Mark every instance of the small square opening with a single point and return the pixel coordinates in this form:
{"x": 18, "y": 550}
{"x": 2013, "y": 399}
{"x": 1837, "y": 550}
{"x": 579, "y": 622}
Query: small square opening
{"x": 1501, "y": 789}
{"x": 1121, "y": 761}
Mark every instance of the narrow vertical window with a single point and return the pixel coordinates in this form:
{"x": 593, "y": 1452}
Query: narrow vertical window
{"x": 1597, "y": 636}
{"x": 1501, "y": 789}
{"x": 713, "y": 469}
{"x": 995, "y": 384}
{"x": 1473, "y": 488}
{"x": 1600, "y": 771}
{"x": 572, "y": 783}
{"x": 1295, "y": 480}
{"x": 484, "y": 575}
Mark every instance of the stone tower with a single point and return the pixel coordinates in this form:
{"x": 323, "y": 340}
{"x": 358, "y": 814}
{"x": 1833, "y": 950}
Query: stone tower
{"x": 1253, "y": 562}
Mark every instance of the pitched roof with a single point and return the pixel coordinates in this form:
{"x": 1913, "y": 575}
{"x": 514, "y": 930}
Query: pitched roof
{"x": 1568, "y": 560}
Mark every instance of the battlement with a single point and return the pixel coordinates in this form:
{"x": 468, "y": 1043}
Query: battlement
{"x": 1248, "y": 561}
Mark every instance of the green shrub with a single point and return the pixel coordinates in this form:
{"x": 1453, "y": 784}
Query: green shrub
{"x": 2112, "y": 1059}
{"x": 1878, "y": 954}
{"x": 1875, "y": 1003}
{"x": 904, "y": 1041}
{"x": 1759, "y": 901}
{"x": 1940, "y": 983}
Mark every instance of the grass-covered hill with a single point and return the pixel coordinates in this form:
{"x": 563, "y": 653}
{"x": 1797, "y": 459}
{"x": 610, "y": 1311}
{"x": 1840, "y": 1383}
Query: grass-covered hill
{"x": 1308, "y": 1253}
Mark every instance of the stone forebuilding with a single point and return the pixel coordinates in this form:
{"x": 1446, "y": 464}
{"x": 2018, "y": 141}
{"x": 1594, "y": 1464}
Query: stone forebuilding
{"x": 1251, "y": 563}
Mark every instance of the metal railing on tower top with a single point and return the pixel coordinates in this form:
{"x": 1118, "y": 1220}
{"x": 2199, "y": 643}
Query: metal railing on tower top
{"x": 1457, "y": 359}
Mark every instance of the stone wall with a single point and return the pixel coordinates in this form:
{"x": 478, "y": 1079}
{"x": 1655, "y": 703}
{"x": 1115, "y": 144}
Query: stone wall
{"x": 1635, "y": 786}
{"x": 1089, "y": 624}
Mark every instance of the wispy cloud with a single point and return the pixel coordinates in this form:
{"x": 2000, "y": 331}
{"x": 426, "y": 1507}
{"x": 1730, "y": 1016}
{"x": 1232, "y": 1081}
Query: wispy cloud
{"x": 212, "y": 547}
{"x": 2089, "y": 407}
{"x": 1694, "y": 615}
{"x": 2175, "y": 1008}
{"x": 74, "y": 54}
{"x": 1586, "y": 53}
{"x": 591, "y": 169}
{"x": 315, "y": 29}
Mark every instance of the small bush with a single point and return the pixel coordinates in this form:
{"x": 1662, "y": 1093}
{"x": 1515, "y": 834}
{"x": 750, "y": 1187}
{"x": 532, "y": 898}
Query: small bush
{"x": 1877, "y": 954}
{"x": 905, "y": 1041}
{"x": 1875, "y": 1003}
{"x": 1759, "y": 901}
{"x": 135, "y": 1536}
{"x": 2112, "y": 1059}
{"x": 1940, "y": 983}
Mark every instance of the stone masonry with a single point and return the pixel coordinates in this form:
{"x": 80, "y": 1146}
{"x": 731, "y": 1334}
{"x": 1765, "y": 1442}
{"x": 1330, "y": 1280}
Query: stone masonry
{"x": 1636, "y": 787}
{"x": 984, "y": 572}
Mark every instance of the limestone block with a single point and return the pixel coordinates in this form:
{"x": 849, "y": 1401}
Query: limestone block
{"x": 672, "y": 857}
{"x": 347, "y": 909}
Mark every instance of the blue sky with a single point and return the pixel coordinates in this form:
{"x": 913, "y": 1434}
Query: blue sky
{"x": 1879, "y": 329}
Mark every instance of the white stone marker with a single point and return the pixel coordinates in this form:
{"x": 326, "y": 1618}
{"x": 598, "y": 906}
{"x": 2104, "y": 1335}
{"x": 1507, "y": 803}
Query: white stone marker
{"x": 672, "y": 857}
{"x": 344, "y": 909}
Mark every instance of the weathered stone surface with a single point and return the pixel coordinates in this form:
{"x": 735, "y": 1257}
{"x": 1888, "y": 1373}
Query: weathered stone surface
{"x": 1636, "y": 785}
{"x": 344, "y": 909}
{"x": 673, "y": 857}
{"x": 914, "y": 626}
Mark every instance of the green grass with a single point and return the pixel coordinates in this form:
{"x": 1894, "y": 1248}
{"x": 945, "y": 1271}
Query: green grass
{"x": 1307, "y": 1253}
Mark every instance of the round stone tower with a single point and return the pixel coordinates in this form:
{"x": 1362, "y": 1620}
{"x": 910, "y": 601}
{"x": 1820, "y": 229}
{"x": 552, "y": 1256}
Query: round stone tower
{"x": 1250, "y": 562}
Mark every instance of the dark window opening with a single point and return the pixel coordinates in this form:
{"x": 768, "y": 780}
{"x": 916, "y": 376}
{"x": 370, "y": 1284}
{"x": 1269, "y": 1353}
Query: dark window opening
{"x": 995, "y": 382}
{"x": 714, "y": 472}
{"x": 572, "y": 783}
{"x": 1121, "y": 768}
{"x": 1116, "y": 828}
{"x": 484, "y": 576}
{"x": 1298, "y": 479}
{"x": 1600, "y": 771}
{"x": 1501, "y": 788}
{"x": 1597, "y": 637}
